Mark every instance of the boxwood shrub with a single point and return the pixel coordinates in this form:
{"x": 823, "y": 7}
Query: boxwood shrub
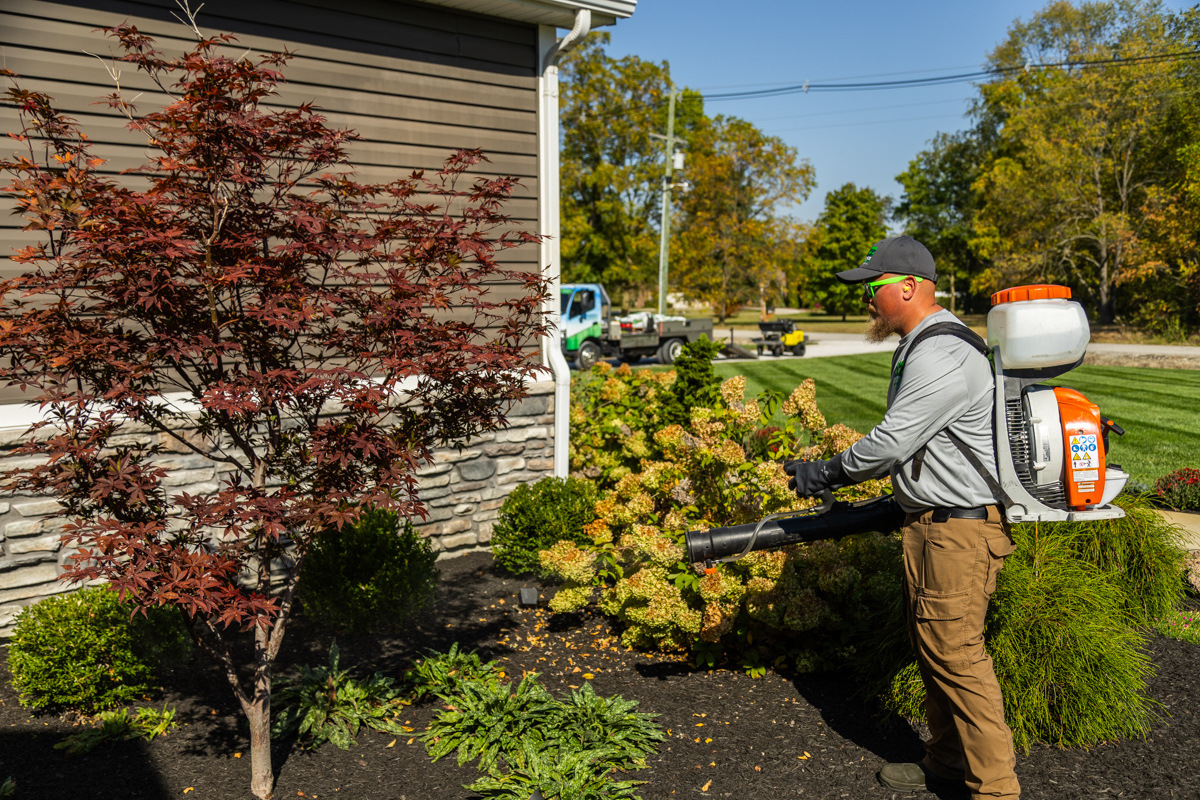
{"x": 536, "y": 515}
{"x": 373, "y": 575}
{"x": 86, "y": 651}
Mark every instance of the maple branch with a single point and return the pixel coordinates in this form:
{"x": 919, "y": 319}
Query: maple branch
{"x": 221, "y": 656}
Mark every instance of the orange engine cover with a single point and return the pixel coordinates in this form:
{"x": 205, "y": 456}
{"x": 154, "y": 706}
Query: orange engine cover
{"x": 1083, "y": 448}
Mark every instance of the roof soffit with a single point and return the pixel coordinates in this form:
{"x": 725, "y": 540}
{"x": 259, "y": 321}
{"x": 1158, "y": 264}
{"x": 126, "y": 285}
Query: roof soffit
{"x": 559, "y": 13}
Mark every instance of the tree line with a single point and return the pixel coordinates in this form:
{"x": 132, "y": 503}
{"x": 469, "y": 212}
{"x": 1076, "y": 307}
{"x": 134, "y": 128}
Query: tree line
{"x": 1080, "y": 166}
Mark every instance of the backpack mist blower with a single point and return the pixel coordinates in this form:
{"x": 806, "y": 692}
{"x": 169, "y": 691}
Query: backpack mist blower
{"x": 1051, "y": 443}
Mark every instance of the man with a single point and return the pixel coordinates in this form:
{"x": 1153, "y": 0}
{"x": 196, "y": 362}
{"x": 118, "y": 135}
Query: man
{"x": 940, "y": 406}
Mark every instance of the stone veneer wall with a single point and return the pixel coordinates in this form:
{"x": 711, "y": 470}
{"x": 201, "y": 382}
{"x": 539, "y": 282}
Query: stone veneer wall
{"x": 462, "y": 492}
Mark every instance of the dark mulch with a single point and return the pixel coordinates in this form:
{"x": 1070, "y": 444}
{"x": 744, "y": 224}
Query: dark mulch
{"x": 730, "y": 735}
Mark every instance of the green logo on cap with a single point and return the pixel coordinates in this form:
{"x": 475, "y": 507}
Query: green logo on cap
{"x": 870, "y": 253}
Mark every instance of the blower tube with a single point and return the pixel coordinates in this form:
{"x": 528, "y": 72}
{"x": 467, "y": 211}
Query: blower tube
{"x": 832, "y": 521}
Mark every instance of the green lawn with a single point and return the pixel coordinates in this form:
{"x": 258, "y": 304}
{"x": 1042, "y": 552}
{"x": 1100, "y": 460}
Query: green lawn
{"x": 1159, "y": 408}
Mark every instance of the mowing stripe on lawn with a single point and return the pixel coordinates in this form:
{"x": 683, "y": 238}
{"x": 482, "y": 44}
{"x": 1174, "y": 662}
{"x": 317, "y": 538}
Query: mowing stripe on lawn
{"x": 1157, "y": 407}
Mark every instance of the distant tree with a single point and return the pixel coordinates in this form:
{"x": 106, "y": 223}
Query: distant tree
{"x": 938, "y": 207}
{"x": 853, "y": 219}
{"x": 733, "y": 240}
{"x": 243, "y": 298}
{"x": 611, "y": 168}
{"x": 1082, "y": 142}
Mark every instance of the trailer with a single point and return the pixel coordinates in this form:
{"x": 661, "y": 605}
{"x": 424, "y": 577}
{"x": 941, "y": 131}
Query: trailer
{"x": 591, "y": 332}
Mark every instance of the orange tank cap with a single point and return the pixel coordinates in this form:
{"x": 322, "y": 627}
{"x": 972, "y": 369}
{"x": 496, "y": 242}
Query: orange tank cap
{"x": 1037, "y": 291}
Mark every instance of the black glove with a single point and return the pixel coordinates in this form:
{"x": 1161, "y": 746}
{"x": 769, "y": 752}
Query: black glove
{"x": 810, "y": 478}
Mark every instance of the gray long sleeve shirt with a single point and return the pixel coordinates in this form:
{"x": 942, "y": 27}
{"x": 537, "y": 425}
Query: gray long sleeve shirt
{"x": 945, "y": 384}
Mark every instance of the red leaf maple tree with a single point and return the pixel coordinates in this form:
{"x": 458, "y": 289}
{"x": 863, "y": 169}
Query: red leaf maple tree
{"x": 242, "y": 298}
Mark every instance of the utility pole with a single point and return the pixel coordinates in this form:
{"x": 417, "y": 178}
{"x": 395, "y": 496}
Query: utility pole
{"x": 664, "y": 243}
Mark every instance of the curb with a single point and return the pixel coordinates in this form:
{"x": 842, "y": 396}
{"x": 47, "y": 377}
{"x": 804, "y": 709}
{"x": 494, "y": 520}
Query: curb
{"x": 1188, "y": 524}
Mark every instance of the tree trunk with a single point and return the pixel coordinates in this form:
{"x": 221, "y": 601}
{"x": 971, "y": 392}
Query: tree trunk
{"x": 953, "y": 297}
{"x": 1106, "y": 315}
{"x": 258, "y": 713}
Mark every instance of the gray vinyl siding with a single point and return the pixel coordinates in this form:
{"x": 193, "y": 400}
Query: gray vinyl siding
{"x": 416, "y": 82}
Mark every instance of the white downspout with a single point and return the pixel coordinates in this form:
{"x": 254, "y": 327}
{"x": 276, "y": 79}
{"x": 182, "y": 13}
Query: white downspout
{"x": 552, "y": 51}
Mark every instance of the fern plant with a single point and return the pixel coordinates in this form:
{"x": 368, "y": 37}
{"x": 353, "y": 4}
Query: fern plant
{"x": 329, "y": 705}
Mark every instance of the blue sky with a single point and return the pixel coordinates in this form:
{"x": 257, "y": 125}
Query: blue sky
{"x": 865, "y": 137}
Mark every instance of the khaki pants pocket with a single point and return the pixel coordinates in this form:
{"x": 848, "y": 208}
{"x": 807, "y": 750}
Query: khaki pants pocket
{"x": 941, "y": 607}
{"x": 941, "y": 628}
{"x": 947, "y": 568}
{"x": 999, "y": 548}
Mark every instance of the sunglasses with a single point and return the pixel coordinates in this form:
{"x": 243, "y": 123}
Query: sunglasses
{"x": 869, "y": 288}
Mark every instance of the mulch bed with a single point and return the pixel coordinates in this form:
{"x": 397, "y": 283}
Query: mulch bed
{"x": 780, "y": 736}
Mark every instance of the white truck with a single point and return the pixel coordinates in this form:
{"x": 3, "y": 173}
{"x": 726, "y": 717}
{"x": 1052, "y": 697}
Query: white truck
{"x": 591, "y": 332}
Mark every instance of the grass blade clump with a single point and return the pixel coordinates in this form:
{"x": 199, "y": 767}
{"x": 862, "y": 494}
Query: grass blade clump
{"x": 1140, "y": 552}
{"x": 1068, "y": 653}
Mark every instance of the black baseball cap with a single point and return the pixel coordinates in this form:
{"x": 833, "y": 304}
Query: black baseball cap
{"x": 899, "y": 255}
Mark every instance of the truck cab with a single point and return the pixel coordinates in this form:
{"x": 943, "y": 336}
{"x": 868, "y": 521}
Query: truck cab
{"x": 585, "y": 310}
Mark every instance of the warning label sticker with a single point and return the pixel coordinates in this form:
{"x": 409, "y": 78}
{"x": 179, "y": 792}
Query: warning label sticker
{"x": 1085, "y": 451}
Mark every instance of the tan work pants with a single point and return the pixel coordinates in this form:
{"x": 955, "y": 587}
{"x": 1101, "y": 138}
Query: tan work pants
{"x": 950, "y": 571}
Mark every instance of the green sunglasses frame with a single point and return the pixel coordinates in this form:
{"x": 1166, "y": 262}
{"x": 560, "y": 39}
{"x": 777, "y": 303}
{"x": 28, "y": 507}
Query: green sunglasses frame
{"x": 869, "y": 288}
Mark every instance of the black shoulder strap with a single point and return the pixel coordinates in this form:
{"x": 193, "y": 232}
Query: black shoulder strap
{"x": 955, "y": 329}
{"x": 959, "y": 331}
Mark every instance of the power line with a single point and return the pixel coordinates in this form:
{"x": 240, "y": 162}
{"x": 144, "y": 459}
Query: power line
{"x": 940, "y": 80}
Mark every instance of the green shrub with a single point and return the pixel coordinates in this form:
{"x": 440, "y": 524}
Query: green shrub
{"x": 696, "y": 384}
{"x": 1179, "y": 490}
{"x": 536, "y": 515}
{"x": 327, "y": 704}
{"x": 85, "y": 652}
{"x": 1068, "y": 654}
{"x": 703, "y": 479}
{"x": 375, "y": 574}
{"x": 615, "y": 414}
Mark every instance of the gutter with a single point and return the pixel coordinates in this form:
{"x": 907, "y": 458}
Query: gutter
{"x": 553, "y": 50}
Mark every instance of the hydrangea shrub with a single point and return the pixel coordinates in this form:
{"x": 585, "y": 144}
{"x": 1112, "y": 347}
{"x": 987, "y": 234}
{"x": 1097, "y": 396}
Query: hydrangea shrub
{"x": 699, "y": 476}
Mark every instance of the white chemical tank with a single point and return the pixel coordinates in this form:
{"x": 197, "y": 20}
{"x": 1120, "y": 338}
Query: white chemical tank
{"x": 1037, "y": 326}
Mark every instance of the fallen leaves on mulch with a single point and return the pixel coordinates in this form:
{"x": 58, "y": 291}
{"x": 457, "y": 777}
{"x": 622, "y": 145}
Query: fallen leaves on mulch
{"x": 728, "y": 735}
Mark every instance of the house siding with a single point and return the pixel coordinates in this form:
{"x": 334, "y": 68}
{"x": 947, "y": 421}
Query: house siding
{"x": 416, "y": 82}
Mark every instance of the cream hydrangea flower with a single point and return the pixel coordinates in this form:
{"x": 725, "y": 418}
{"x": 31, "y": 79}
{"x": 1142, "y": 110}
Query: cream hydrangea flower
{"x": 802, "y": 403}
{"x": 733, "y": 390}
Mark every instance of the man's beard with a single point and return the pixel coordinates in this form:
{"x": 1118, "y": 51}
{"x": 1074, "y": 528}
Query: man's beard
{"x": 879, "y": 329}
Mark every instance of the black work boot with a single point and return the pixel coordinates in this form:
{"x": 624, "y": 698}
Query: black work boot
{"x": 916, "y": 778}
